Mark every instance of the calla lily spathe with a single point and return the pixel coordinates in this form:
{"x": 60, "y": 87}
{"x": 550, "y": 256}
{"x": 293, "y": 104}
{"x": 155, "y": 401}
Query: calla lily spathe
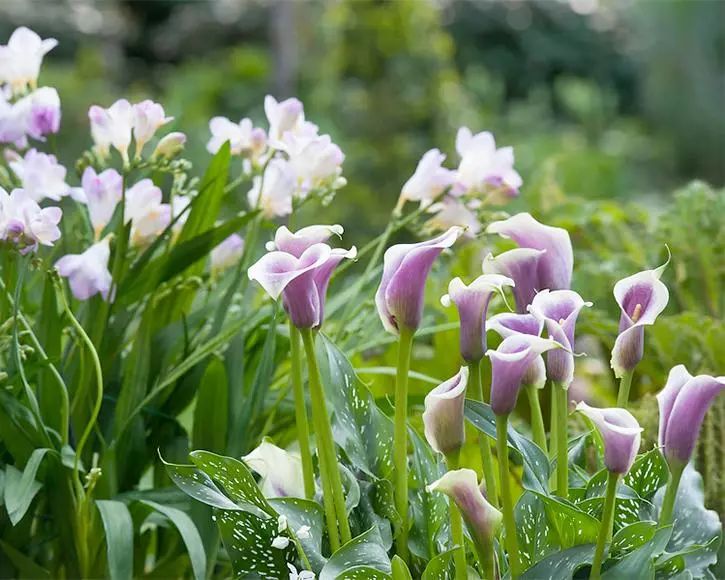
{"x": 443, "y": 416}
{"x": 281, "y": 471}
{"x": 510, "y": 363}
{"x": 559, "y": 311}
{"x": 621, "y": 434}
{"x": 88, "y": 272}
{"x": 555, "y": 265}
{"x": 472, "y": 303}
{"x": 683, "y": 403}
{"x": 510, "y": 324}
{"x": 302, "y": 282}
{"x": 399, "y": 298}
{"x": 297, "y": 242}
{"x": 641, "y": 298}
{"x": 521, "y": 265}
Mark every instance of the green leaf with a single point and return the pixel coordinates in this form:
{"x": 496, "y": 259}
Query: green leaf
{"x": 560, "y": 565}
{"x": 640, "y": 563}
{"x": 237, "y": 481}
{"x": 21, "y": 488}
{"x": 377, "y": 508}
{"x": 189, "y": 534}
{"x": 303, "y": 512}
{"x": 25, "y": 566}
{"x": 211, "y": 411}
{"x": 400, "y": 569}
{"x": 648, "y": 474}
{"x": 571, "y": 525}
{"x": 632, "y": 537}
{"x": 536, "y": 537}
{"x": 363, "y": 573}
{"x": 19, "y": 431}
{"x": 365, "y": 550}
{"x": 248, "y": 541}
{"x": 118, "y": 527}
{"x": 198, "y": 485}
{"x": 441, "y": 567}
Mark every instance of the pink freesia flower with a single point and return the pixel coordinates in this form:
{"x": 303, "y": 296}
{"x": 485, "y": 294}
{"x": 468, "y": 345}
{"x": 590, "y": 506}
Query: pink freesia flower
{"x": 24, "y": 223}
{"x": 101, "y": 193}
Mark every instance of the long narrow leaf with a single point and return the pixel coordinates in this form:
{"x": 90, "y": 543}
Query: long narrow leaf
{"x": 118, "y": 525}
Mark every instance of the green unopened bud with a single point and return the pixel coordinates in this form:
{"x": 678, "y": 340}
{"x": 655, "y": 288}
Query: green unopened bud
{"x": 170, "y": 146}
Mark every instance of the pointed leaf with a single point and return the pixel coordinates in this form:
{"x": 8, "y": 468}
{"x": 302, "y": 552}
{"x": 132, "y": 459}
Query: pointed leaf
{"x": 118, "y": 527}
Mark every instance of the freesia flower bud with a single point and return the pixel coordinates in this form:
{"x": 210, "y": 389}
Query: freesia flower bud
{"x": 21, "y": 58}
{"x": 88, "y": 272}
{"x": 509, "y": 364}
{"x": 443, "y": 416}
{"x": 641, "y": 298}
{"x": 555, "y": 265}
{"x": 226, "y": 254}
{"x": 297, "y": 242}
{"x": 683, "y": 403}
{"x": 112, "y": 127}
{"x": 170, "y": 146}
{"x": 559, "y": 311}
{"x": 399, "y": 299}
{"x": 621, "y": 434}
{"x": 472, "y": 303}
{"x": 148, "y": 117}
{"x": 281, "y": 471}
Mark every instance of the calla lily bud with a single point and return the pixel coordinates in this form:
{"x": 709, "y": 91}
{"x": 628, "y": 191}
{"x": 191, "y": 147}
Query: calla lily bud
{"x": 509, "y": 324}
{"x": 641, "y": 297}
{"x": 280, "y": 470}
{"x": 169, "y": 146}
{"x": 296, "y": 243}
{"x": 302, "y": 282}
{"x": 621, "y": 434}
{"x": 443, "y": 416}
{"x": 510, "y": 363}
{"x": 521, "y": 265}
{"x": 559, "y": 311}
{"x": 482, "y": 519}
{"x": 555, "y": 265}
{"x": 472, "y": 303}
{"x": 399, "y": 298}
{"x": 683, "y": 404}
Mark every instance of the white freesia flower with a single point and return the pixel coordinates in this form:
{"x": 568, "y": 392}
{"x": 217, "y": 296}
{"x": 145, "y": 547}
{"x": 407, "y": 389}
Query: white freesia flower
{"x": 13, "y": 122}
{"x": 112, "y": 127}
{"x": 148, "y": 216}
{"x": 453, "y": 212}
{"x": 21, "y": 58}
{"x": 40, "y": 174}
{"x": 286, "y": 116}
{"x": 315, "y": 160}
{"x": 280, "y": 470}
{"x": 303, "y": 533}
{"x": 148, "y": 117}
{"x": 301, "y": 575}
{"x": 484, "y": 168}
{"x": 429, "y": 180}
{"x": 88, "y": 272}
{"x": 244, "y": 139}
{"x": 101, "y": 192}
{"x": 24, "y": 223}
{"x": 277, "y": 189}
{"x": 41, "y": 112}
{"x": 226, "y": 254}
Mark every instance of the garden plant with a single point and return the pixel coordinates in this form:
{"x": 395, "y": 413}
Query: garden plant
{"x": 181, "y": 391}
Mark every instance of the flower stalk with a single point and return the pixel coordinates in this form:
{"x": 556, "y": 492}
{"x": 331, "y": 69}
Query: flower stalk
{"x": 562, "y": 450}
{"x": 673, "y": 484}
{"x": 459, "y": 539}
{"x": 605, "y": 531}
{"x": 507, "y": 504}
{"x": 303, "y": 428}
{"x": 400, "y": 440}
{"x": 489, "y": 474}
{"x": 537, "y": 419}
{"x": 625, "y": 384}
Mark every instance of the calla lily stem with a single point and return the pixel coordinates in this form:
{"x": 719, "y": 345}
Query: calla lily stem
{"x": 562, "y": 450}
{"x": 605, "y": 531}
{"x": 329, "y": 469}
{"x": 459, "y": 539}
{"x": 537, "y": 420}
{"x": 303, "y": 428}
{"x": 489, "y": 474}
{"x": 400, "y": 441}
{"x": 624, "y": 385}
{"x": 668, "y": 502}
{"x": 507, "y": 503}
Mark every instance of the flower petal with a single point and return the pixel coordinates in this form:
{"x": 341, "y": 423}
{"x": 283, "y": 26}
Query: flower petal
{"x": 621, "y": 434}
{"x": 443, "y": 416}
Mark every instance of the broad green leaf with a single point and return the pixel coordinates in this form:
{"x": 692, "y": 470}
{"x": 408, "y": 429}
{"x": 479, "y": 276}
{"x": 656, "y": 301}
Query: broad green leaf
{"x": 237, "y": 481}
{"x": 189, "y": 534}
{"x": 571, "y": 525}
{"x": 21, "y": 488}
{"x": 365, "y": 550}
{"x": 303, "y": 512}
{"x": 560, "y": 565}
{"x": 351, "y": 488}
{"x": 648, "y": 474}
{"x": 25, "y": 566}
{"x": 377, "y": 508}
{"x": 632, "y": 537}
{"x": 441, "y": 567}
{"x": 19, "y": 431}
{"x": 400, "y": 569}
{"x": 248, "y": 541}
{"x": 536, "y": 537}
{"x": 198, "y": 485}
{"x": 211, "y": 411}
{"x": 695, "y": 560}
{"x": 118, "y": 527}
{"x": 363, "y": 573}
{"x": 640, "y": 562}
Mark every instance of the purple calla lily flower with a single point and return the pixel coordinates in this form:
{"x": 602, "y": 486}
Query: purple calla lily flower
{"x": 559, "y": 311}
{"x": 472, "y": 303}
{"x": 482, "y": 519}
{"x": 510, "y": 324}
{"x": 555, "y": 266}
{"x": 443, "y": 416}
{"x": 509, "y": 364}
{"x": 521, "y": 265}
{"x": 621, "y": 434}
{"x": 399, "y": 298}
{"x": 302, "y": 281}
{"x": 297, "y": 242}
{"x": 641, "y": 297}
{"x": 683, "y": 403}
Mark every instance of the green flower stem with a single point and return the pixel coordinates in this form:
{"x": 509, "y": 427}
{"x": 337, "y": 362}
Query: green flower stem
{"x": 673, "y": 483}
{"x": 328, "y": 502}
{"x": 325, "y": 441}
{"x": 459, "y": 539}
{"x": 605, "y": 530}
{"x": 303, "y": 428}
{"x": 624, "y": 385}
{"x": 562, "y": 451}
{"x": 507, "y": 503}
{"x": 484, "y": 443}
{"x": 400, "y": 439}
{"x": 537, "y": 419}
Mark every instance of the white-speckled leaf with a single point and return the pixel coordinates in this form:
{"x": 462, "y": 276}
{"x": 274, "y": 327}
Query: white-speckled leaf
{"x": 648, "y": 474}
{"x": 197, "y": 484}
{"x": 364, "y": 551}
{"x": 377, "y": 508}
{"x": 640, "y": 562}
{"x": 571, "y": 525}
{"x": 304, "y": 512}
{"x": 363, "y": 573}
{"x": 440, "y": 567}
{"x": 560, "y": 565}
{"x": 536, "y": 537}
{"x": 632, "y": 537}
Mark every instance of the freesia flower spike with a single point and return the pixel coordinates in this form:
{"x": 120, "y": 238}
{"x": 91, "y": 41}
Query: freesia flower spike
{"x": 443, "y": 415}
{"x": 621, "y": 434}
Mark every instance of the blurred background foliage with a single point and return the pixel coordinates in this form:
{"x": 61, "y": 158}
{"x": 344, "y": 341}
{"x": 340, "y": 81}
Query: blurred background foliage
{"x": 612, "y": 107}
